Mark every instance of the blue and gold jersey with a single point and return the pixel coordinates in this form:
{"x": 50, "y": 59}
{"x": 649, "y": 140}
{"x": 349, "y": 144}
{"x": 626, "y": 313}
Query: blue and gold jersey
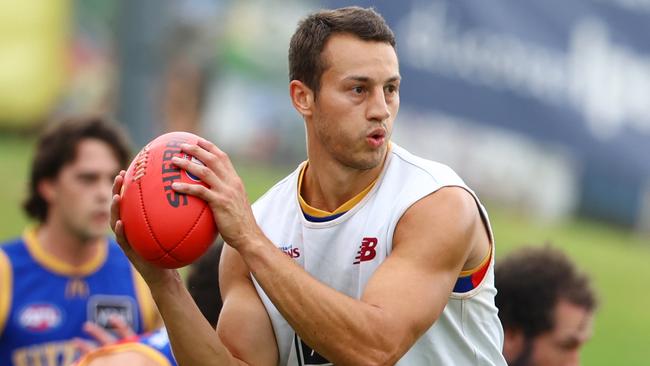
{"x": 44, "y": 302}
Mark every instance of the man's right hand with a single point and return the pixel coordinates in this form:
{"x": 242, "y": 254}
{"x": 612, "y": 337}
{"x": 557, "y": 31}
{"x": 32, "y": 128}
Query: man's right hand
{"x": 151, "y": 273}
{"x": 103, "y": 337}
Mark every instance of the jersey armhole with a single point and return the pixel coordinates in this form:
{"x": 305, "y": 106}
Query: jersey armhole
{"x": 150, "y": 318}
{"x": 481, "y": 266}
{"x": 6, "y": 289}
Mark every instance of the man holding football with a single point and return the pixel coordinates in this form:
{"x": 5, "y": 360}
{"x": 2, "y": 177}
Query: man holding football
{"x": 392, "y": 255}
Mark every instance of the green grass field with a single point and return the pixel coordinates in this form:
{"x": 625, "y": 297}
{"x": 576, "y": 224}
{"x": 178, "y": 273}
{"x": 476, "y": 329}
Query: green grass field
{"x": 616, "y": 259}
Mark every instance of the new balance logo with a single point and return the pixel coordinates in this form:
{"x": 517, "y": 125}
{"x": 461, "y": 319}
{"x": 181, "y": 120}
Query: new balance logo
{"x": 366, "y": 251}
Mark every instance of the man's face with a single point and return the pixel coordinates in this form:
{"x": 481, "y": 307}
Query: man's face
{"x": 357, "y": 102}
{"x": 561, "y": 345}
{"x": 79, "y": 197}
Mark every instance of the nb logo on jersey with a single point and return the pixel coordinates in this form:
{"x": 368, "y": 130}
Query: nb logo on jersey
{"x": 367, "y": 250}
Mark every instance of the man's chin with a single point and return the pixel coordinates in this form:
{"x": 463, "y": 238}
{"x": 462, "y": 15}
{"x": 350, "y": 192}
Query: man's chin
{"x": 375, "y": 159}
{"x": 363, "y": 164}
{"x": 362, "y": 158}
{"x": 95, "y": 233}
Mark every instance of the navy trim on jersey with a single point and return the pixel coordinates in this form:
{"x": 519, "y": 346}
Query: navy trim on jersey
{"x": 322, "y": 219}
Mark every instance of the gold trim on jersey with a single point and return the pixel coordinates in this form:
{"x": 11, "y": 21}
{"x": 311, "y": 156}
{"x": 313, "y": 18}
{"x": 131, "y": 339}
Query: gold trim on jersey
{"x": 138, "y": 348}
{"x": 58, "y": 266}
{"x": 347, "y": 206}
{"x": 6, "y": 288}
{"x": 150, "y": 317}
{"x": 480, "y": 266}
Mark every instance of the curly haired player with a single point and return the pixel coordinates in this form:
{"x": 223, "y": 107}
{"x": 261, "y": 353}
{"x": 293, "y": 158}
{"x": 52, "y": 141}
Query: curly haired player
{"x": 545, "y": 305}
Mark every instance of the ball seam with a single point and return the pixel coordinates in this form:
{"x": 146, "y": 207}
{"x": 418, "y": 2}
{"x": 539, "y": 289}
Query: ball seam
{"x": 196, "y": 222}
{"x": 149, "y": 229}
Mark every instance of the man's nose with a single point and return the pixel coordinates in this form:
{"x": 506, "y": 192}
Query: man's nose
{"x": 377, "y": 109}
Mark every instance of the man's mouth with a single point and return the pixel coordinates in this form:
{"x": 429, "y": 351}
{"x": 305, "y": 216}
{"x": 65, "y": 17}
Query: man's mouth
{"x": 100, "y": 216}
{"x": 376, "y": 138}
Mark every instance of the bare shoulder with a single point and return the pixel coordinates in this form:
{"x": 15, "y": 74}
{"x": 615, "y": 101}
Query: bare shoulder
{"x": 447, "y": 222}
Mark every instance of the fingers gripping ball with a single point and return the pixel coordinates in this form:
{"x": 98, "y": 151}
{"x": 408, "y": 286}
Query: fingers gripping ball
{"x": 165, "y": 227}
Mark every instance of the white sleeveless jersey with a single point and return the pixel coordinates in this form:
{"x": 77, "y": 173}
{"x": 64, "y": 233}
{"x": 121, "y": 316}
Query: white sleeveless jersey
{"x": 345, "y": 252}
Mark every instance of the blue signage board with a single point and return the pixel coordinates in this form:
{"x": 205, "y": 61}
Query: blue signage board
{"x": 572, "y": 73}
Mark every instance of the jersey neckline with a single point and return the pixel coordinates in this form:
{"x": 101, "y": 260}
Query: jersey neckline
{"x": 58, "y": 266}
{"x": 314, "y": 216}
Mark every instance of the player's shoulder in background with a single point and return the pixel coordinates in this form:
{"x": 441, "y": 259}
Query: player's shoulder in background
{"x": 13, "y": 251}
{"x": 11, "y": 245}
{"x": 9, "y": 251}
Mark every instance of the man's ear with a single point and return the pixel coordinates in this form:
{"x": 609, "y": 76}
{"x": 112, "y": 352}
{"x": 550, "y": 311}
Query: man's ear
{"x": 302, "y": 97}
{"x": 513, "y": 343}
{"x": 46, "y": 189}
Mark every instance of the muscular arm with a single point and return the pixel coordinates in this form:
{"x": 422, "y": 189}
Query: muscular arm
{"x": 246, "y": 338}
{"x": 431, "y": 244}
{"x": 244, "y": 326}
{"x": 193, "y": 340}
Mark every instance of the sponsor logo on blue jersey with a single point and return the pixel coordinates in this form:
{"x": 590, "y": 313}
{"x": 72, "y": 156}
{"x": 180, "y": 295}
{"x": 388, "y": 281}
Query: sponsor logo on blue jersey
{"x": 40, "y": 318}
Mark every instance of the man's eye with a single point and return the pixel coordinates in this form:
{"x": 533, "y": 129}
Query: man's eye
{"x": 391, "y": 89}
{"x": 357, "y": 89}
{"x": 87, "y": 179}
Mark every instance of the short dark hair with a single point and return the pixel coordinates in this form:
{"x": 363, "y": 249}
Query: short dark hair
{"x": 307, "y": 43}
{"x": 203, "y": 283}
{"x": 58, "y": 145}
{"x": 531, "y": 281}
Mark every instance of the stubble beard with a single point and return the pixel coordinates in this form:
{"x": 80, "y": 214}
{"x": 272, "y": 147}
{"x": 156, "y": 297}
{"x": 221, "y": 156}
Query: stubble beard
{"x": 345, "y": 153}
{"x": 348, "y": 157}
{"x": 370, "y": 163}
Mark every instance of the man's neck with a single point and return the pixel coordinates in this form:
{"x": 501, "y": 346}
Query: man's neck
{"x": 327, "y": 185}
{"x": 60, "y": 243}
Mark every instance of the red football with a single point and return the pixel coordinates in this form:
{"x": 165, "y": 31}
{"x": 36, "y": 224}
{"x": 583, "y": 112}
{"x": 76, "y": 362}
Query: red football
{"x": 166, "y": 228}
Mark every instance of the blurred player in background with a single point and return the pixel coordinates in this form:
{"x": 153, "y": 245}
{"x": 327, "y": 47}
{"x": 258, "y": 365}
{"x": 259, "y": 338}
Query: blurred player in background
{"x": 546, "y": 307}
{"x": 365, "y": 254}
{"x": 65, "y": 270}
